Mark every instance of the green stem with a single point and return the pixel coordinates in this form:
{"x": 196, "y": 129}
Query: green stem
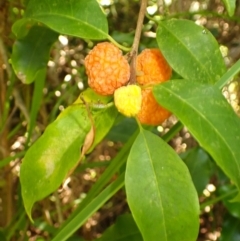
{"x": 217, "y": 199}
{"x": 111, "y": 39}
{"x": 90, "y": 209}
{"x": 7, "y": 160}
{"x": 172, "y": 132}
{"x": 228, "y": 75}
{"x": 115, "y": 165}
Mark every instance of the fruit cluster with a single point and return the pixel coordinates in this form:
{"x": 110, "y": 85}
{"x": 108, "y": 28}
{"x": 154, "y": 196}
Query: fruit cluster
{"x": 109, "y": 72}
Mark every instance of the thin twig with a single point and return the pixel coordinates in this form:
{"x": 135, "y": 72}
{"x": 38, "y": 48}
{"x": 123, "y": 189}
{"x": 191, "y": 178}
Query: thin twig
{"x": 136, "y": 40}
{"x": 58, "y": 208}
{"x": 20, "y": 104}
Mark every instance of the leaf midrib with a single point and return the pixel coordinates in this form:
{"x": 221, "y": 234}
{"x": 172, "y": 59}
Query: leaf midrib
{"x": 43, "y": 16}
{"x": 156, "y": 182}
{"x": 210, "y": 124}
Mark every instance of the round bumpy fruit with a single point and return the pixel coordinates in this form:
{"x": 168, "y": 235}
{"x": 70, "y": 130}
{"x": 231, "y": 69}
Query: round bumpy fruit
{"x": 128, "y": 100}
{"x": 152, "y": 67}
{"x": 107, "y": 69}
{"x": 151, "y": 112}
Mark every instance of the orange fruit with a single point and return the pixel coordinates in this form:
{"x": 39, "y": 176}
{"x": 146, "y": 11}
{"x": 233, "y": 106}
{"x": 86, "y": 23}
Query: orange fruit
{"x": 151, "y": 112}
{"x": 107, "y": 69}
{"x": 152, "y": 67}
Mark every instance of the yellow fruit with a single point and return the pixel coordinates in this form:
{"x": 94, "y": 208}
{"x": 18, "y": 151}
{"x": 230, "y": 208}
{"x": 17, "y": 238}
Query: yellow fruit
{"x": 128, "y": 100}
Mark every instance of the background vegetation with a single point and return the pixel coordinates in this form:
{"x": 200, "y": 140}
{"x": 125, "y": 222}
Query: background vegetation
{"x": 21, "y": 123}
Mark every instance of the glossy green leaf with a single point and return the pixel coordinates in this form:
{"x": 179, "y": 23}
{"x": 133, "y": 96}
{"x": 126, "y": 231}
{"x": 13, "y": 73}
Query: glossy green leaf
{"x": 125, "y": 229}
{"x": 209, "y": 118}
{"x": 230, "y": 6}
{"x": 79, "y": 18}
{"x": 160, "y": 191}
{"x": 200, "y": 167}
{"x": 52, "y": 156}
{"x": 31, "y": 53}
{"x": 230, "y": 229}
{"x": 191, "y": 50}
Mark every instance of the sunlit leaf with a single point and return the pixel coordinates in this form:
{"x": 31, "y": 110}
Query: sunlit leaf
{"x": 52, "y": 156}
{"x": 191, "y": 50}
{"x": 209, "y": 118}
{"x": 31, "y": 53}
{"x": 160, "y": 191}
{"x": 50, "y": 159}
{"x": 79, "y": 18}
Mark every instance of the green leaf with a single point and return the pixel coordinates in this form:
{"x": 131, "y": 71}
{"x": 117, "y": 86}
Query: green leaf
{"x": 160, "y": 191}
{"x": 186, "y": 46}
{"x": 57, "y": 151}
{"x": 230, "y": 5}
{"x": 230, "y": 229}
{"x": 104, "y": 119}
{"x": 102, "y": 110}
{"x": 209, "y": 118}
{"x": 116, "y": 163}
{"x": 125, "y": 229}
{"x": 21, "y": 27}
{"x": 200, "y": 167}
{"x": 123, "y": 129}
{"x": 79, "y": 18}
{"x": 232, "y": 207}
{"x": 52, "y": 156}
{"x": 31, "y": 53}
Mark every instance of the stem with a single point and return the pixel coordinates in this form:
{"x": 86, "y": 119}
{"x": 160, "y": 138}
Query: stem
{"x": 228, "y": 75}
{"x": 117, "y": 44}
{"x": 81, "y": 217}
{"x": 217, "y": 199}
{"x": 172, "y": 132}
{"x": 136, "y": 40}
